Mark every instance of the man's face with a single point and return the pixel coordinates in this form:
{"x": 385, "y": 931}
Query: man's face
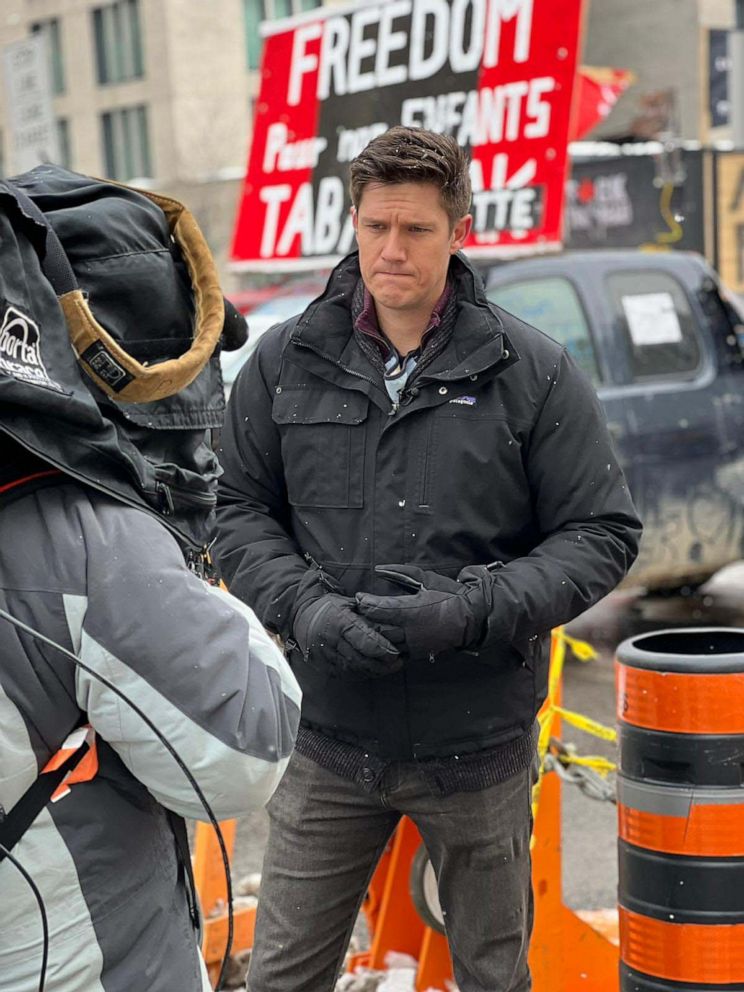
{"x": 405, "y": 244}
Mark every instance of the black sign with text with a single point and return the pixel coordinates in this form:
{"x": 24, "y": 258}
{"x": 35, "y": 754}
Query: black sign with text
{"x": 623, "y": 203}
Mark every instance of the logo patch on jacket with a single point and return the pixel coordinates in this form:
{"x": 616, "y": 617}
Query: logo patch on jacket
{"x": 20, "y": 350}
{"x": 465, "y": 400}
{"x": 105, "y": 366}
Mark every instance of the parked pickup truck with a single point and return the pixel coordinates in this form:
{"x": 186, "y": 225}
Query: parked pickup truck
{"x": 664, "y": 346}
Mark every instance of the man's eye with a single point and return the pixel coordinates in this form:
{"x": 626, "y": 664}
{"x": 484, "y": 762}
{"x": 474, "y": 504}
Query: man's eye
{"x": 419, "y": 230}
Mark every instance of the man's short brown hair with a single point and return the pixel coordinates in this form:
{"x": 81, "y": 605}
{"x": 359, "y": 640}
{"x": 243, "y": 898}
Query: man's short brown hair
{"x": 414, "y": 155}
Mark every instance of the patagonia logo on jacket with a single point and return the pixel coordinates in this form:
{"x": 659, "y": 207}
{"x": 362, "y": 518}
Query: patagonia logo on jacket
{"x": 465, "y": 400}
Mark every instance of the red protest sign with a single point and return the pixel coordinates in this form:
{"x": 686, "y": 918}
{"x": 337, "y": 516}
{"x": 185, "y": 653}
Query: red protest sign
{"x": 496, "y": 74}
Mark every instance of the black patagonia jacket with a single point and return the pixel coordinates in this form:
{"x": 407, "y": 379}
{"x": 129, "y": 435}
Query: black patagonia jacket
{"x": 498, "y": 452}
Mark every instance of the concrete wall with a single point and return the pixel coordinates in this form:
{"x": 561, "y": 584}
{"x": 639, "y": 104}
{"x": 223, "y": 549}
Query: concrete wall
{"x": 659, "y": 41}
{"x": 203, "y": 47}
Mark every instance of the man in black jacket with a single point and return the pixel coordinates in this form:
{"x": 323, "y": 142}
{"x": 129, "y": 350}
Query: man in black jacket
{"x": 417, "y": 488}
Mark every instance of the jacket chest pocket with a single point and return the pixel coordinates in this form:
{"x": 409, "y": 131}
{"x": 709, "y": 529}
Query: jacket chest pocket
{"x": 466, "y": 455}
{"x": 323, "y": 433}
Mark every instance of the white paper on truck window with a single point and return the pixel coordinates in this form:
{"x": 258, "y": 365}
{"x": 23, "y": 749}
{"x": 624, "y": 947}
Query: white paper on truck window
{"x": 652, "y": 319}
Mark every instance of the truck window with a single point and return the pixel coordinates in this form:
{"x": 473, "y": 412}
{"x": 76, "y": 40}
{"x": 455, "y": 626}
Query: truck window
{"x": 552, "y": 305}
{"x": 654, "y": 314}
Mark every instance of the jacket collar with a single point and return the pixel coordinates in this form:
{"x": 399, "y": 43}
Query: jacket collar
{"x": 478, "y": 341}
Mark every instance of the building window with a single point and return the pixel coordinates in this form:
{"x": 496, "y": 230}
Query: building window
{"x": 118, "y": 39}
{"x": 50, "y": 29}
{"x": 255, "y": 11}
{"x": 126, "y": 144}
{"x": 63, "y": 139}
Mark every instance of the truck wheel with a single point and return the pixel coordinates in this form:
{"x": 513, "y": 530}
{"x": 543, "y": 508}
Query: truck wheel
{"x": 424, "y": 893}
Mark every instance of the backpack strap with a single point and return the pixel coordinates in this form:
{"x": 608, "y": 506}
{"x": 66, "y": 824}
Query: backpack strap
{"x": 76, "y": 761}
{"x": 183, "y": 853}
{"x": 14, "y": 825}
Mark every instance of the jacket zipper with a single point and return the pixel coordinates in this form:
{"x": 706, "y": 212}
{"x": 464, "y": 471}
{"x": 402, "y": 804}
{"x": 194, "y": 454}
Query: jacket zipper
{"x": 323, "y": 577}
{"x": 333, "y": 361}
{"x": 409, "y": 390}
{"x": 164, "y": 489}
{"x": 428, "y": 455}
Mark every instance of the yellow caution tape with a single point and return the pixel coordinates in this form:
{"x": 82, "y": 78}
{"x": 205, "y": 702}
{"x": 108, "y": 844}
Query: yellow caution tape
{"x": 595, "y": 761}
{"x": 557, "y": 658}
{"x": 580, "y": 649}
{"x": 547, "y": 715}
{"x": 584, "y": 652}
{"x": 586, "y": 724}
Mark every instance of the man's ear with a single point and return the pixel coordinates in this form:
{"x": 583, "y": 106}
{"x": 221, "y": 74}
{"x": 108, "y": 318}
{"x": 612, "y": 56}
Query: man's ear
{"x": 354, "y": 217}
{"x": 460, "y": 233}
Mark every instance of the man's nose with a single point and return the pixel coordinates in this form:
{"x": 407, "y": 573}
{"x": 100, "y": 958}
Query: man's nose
{"x": 394, "y": 248}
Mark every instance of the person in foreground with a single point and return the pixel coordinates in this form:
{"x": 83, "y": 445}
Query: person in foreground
{"x": 102, "y": 503}
{"x": 417, "y": 488}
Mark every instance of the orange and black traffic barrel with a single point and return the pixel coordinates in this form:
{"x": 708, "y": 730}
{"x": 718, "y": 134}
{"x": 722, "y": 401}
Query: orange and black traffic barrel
{"x": 680, "y": 697}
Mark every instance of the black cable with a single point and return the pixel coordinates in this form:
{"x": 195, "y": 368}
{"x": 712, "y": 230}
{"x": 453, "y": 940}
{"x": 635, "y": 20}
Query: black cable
{"x": 42, "y": 910}
{"x": 173, "y": 753}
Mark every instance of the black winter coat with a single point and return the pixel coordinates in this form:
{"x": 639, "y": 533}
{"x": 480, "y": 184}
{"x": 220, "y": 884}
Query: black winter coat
{"x": 498, "y": 452}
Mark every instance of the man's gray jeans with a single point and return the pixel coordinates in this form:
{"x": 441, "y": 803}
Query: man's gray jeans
{"x": 326, "y": 835}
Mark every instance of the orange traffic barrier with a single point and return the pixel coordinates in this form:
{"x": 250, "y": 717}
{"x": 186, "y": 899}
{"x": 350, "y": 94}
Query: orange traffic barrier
{"x": 705, "y": 829}
{"x": 681, "y": 810}
{"x": 703, "y": 953}
{"x": 684, "y": 704}
{"x": 209, "y": 878}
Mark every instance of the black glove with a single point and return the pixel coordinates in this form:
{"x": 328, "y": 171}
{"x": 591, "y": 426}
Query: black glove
{"x": 329, "y": 632}
{"x": 439, "y": 615}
